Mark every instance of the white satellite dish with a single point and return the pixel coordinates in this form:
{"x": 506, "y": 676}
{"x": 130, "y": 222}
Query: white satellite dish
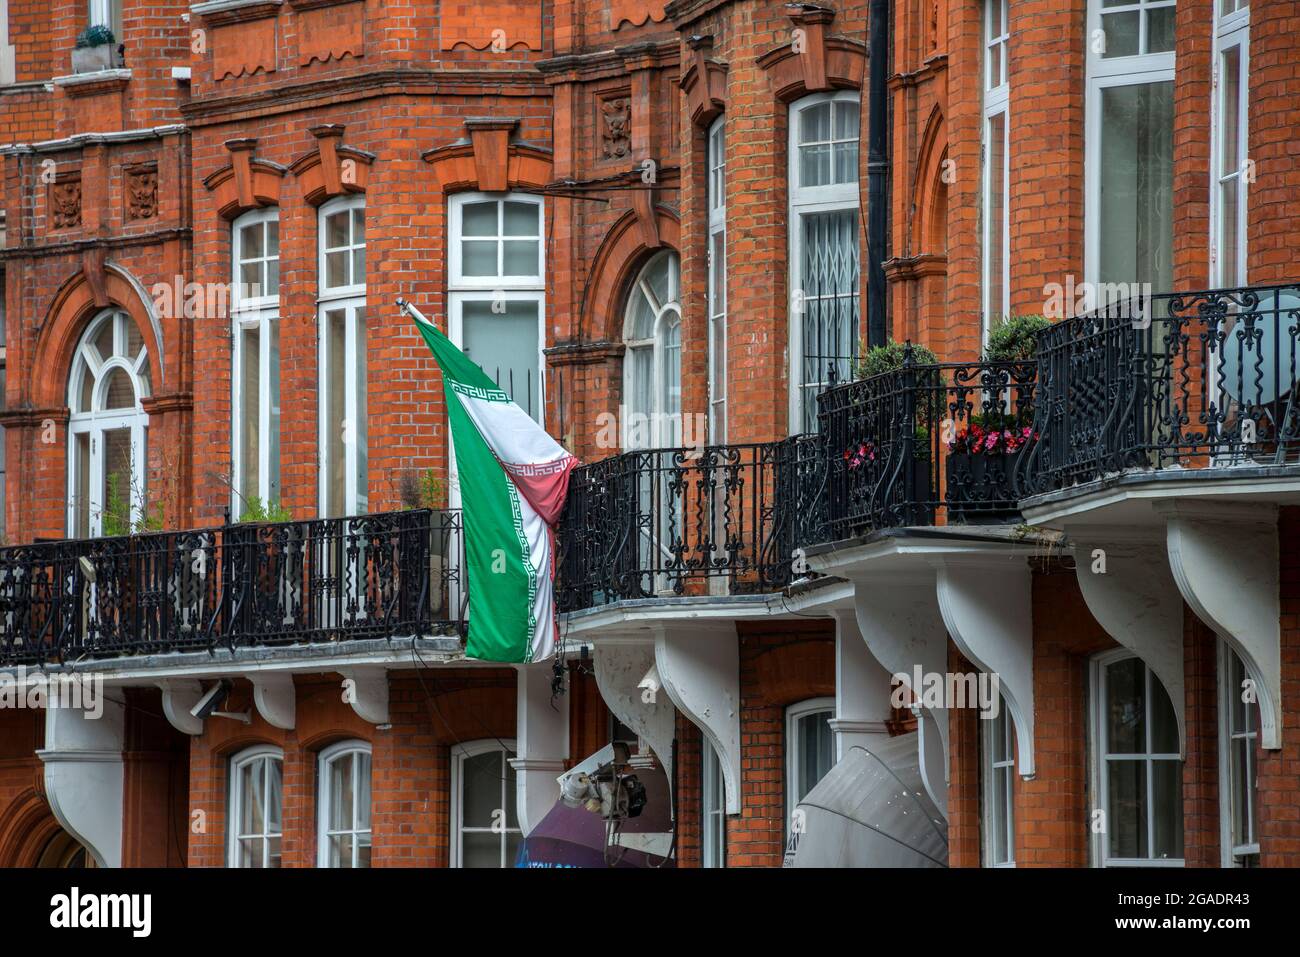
{"x": 1259, "y": 369}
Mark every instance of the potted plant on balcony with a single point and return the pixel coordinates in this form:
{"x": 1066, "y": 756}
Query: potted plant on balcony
{"x": 95, "y": 50}
{"x": 915, "y": 504}
{"x": 1015, "y": 339}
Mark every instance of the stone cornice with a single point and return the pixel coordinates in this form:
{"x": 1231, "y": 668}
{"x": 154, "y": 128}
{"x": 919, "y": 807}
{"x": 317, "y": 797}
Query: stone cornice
{"x": 220, "y": 12}
{"x": 573, "y": 67}
{"x": 155, "y": 237}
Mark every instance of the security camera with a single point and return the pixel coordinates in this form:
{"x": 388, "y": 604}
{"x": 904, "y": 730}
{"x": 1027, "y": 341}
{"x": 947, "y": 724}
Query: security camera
{"x": 212, "y": 699}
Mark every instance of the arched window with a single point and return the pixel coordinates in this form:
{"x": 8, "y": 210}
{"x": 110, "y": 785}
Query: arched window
{"x": 652, "y": 366}
{"x": 256, "y": 795}
{"x": 343, "y": 812}
{"x": 809, "y": 749}
{"x": 255, "y": 425}
{"x": 1137, "y": 770}
{"x": 106, "y": 429}
{"x": 484, "y": 821}
{"x": 344, "y": 439}
{"x": 824, "y": 261}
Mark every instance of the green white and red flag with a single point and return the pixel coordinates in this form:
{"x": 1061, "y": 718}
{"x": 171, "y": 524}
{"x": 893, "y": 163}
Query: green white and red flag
{"x": 513, "y": 480}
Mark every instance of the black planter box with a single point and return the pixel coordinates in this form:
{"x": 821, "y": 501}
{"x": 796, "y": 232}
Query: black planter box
{"x": 980, "y": 488}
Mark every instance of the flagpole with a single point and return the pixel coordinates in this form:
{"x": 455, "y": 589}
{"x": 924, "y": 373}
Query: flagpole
{"x": 409, "y": 310}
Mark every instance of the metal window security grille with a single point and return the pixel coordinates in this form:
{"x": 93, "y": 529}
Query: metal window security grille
{"x": 373, "y": 576}
{"x": 830, "y": 303}
{"x": 1195, "y": 380}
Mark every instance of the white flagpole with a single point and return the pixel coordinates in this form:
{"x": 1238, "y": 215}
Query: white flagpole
{"x": 409, "y": 310}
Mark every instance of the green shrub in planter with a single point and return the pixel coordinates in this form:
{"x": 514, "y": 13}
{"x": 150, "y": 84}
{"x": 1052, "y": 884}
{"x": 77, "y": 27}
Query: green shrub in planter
{"x": 889, "y": 357}
{"x": 1015, "y": 338}
{"x": 94, "y": 36}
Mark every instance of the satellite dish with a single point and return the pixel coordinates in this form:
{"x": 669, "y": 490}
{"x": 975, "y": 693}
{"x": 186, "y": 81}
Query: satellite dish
{"x": 1257, "y": 368}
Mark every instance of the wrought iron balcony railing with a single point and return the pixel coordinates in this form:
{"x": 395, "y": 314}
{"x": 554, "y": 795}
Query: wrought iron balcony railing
{"x": 1195, "y": 380}
{"x": 322, "y": 580}
{"x": 925, "y": 445}
{"x": 669, "y": 521}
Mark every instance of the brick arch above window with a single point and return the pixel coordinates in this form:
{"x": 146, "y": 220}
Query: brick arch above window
{"x": 26, "y": 828}
{"x": 620, "y": 256}
{"x": 81, "y": 298}
{"x": 489, "y": 165}
{"x": 246, "y": 182}
{"x": 823, "y": 63}
{"x": 331, "y": 169}
{"x": 930, "y": 190}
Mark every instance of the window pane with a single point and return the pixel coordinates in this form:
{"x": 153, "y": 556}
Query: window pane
{"x": 104, "y": 338}
{"x": 120, "y": 393}
{"x": 250, "y": 242}
{"x": 521, "y": 219}
{"x": 272, "y": 277}
{"x": 341, "y": 793}
{"x": 1167, "y": 785}
{"x": 504, "y": 344}
{"x": 828, "y": 276}
{"x": 335, "y": 332}
{"x": 521, "y": 257}
{"x": 1136, "y": 227}
{"x": 250, "y": 279}
{"x": 340, "y": 850}
{"x": 513, "y": 840}
{"x": 273, "y": 238}
{"x": 1126, "y": 806}
{"x": 274, "y": 774}
{"x": 1242, "y": 787}
{"x": 995, "y": 210}
{"x": 1160, "y": 30}
{"x": 250, "y": 852}
{"x": 116, "y": 493}
{"x": 252, "y": 800}
{"x": 336, "y": 269}
{"x": 481, "y": 789}
{"x": 87, "y": 394}
{"x": 814, "y": 165}
{"x": 999, "y": 808}
{"x": 82, "y": 488}
{"x": 363, "y": 790}
{"x": 273, "y": 846}
{"x": 815, "y": 123}
{"x": 1121, "y": 33}
{"x": 478, "y": 219}
{"x": 336, "y": 230}
{"x": 359, "y": 266}
{"x": 358, "y": 226}
{"x": 363, "y": 850}
{"x": 846, "y": 121}
{"x": 250, "y": 414}
{"x": 1126, "y": 709}
{"x": 1164, "y": 725}
{"x": 846, "y": 162}
{"x": 478, "y": 258}
{"x": 273, "y": 397}
{"x": 814, "y": 751}
{"x": 480, "y": 849}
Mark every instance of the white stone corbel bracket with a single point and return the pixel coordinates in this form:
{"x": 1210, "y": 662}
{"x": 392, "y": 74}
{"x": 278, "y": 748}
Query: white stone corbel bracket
{"x": 366, "y": 689}
{"x": 275, "y": 699}
{"x": 84, "y": 776}
{"x": 1130, "y": 591}
{"x": 621, "y": 664}
{"x": 862, "y": 689}
{"x": 1224, "y": 559}
{"x": 541, "y": 743}
{"x": 700, "y": 670}
{"x": 899, "y": 618}
{"x": 179, "y": 696}
{"x": 986, "y": 603}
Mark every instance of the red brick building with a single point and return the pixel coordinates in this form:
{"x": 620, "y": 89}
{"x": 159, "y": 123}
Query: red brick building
{"x": 229, "y": 494}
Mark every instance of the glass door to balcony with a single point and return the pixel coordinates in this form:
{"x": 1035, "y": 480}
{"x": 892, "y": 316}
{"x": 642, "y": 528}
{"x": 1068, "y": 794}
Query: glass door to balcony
{"x": 652, "y": 417}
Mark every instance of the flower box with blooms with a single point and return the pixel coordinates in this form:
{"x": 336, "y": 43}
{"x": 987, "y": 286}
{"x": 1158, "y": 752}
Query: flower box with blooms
{"x": 981, "y": 466}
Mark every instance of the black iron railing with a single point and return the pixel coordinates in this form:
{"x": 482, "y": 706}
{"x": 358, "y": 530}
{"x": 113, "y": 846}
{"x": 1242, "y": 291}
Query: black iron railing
{"x": 370, "y": 576}
{"x": 649, "y": 523}
{"x": 925, "y": 444}
{"x": 1196, "y": 380}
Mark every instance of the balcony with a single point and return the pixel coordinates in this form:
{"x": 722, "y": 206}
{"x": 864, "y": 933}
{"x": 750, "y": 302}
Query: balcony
{"x": 1184, "y": 382}
{"x": 933, "y": 444}
{"x": 234, "y": 586}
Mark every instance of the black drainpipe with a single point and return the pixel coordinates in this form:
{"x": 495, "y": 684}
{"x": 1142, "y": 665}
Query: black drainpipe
{"x": 877, "y": 169}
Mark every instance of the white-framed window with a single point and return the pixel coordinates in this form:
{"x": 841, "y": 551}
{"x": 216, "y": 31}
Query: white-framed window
{"x": 809, "y": 749}
{"x": 484, "y": 819}
{"x": 824, "y": 258}
{"x": 1238, "y": 767}
{"x": 1229, "y": 160}
{"x": 107, "y": 428}
{"x": 256, "y": 796}
{"x": 713, "y": 810}
{"x": 999, "y": 789}
{"x": 497, "y": 290}
{"x": 717, "y": 178}
{"x": 996, "y": 184}
{"x": 1137, "y": 771}
{"x": 344, "y": 441}
{"x": 652, "y": 362}
{"x": 343, "y": 809}
{"x": 106, "y": 13}
{"x": 1129, "y": 156}
{"x": 255, "y": 373}
{"x": 8, "y": 68}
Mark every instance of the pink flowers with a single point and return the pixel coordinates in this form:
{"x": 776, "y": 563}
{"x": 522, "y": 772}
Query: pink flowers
{"x": 865, "y": 452}
{"x": 977, "y": 440}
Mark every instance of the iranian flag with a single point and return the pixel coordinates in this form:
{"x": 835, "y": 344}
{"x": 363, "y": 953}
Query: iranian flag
{"x": 513, "y": 479}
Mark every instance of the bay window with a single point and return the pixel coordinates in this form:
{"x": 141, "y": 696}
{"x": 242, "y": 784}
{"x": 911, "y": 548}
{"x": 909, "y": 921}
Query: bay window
{"x": 344, "y": 472}
{"x": 717, "y": 191}
{"x": 1137, "y": 770}
{"x": 997, "y": 167}
{"x": 343, "y": 809}
{"x": 1238, "y": 769}
{"x": 496, "y": 290}
{"x": 256, "y": 796}
{"x": 1130, "y": 132}
{"x": 255, "y": 426}
{"x": 1230, "y": 177}
{"x": 824, "y": 260}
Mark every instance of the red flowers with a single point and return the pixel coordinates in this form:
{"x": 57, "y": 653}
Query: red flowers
{"x": 978, "y": 440}
{"x": 865, "y": 452}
